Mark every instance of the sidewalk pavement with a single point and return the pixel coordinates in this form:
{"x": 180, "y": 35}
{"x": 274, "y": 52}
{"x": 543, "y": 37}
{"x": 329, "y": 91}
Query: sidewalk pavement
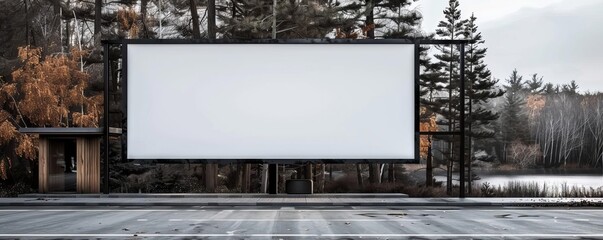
{"x": 280, "y": 200}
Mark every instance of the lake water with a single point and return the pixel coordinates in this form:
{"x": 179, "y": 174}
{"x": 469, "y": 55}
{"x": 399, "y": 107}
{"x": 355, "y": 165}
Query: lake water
{"x": 552, "y": 178}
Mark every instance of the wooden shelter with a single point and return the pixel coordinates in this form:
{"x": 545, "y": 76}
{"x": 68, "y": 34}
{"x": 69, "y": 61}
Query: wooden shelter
{"x": 69, "y": 159}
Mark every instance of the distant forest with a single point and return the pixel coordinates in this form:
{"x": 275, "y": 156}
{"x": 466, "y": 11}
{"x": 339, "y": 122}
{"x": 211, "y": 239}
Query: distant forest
{"x": 51, "y": 76}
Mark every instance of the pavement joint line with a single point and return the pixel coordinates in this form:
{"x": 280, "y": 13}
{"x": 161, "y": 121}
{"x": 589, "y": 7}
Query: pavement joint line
{"x": 295, "y": 220}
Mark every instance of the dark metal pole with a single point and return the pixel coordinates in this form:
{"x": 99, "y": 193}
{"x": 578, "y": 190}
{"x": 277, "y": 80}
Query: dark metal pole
{"x": 462, "y": 122}
{"x": 417, "y": 102}
{"x": 124, "y": 102}
{"x": 272, "y": 178}
{"x": 106, "y": 72}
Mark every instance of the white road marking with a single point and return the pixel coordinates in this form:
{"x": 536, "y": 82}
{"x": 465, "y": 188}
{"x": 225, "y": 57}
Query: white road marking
{"x": 542, "y": 235}
{"x": 297, "y": 210}
{"x": 154, "y": 235}
{"x": 142, "y": 220}
{"x": 581, "y": 220}
{"x": 415, "y": 210}
{"x": 99, "y": 210}
{"x": 332, "y": 220}
{"x": 290, "y": 220}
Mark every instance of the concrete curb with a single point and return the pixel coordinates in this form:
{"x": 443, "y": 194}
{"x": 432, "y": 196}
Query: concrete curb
{"x": 291, "y": 204}
{"x": 214, "y": 195}
{"x": 384, "y": 203}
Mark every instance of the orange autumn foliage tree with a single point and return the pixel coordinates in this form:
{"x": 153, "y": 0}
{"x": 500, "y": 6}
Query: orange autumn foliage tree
{"x": 48, "y": 92}
{"x": 428, "y": 125}
{"x": 127, "y": 19}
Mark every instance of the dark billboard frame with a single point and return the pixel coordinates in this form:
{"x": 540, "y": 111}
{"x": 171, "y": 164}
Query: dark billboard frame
{"x": 417, "y": 69}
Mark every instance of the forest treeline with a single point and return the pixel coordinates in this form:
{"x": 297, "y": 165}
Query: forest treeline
{"x": 51, "y": 76}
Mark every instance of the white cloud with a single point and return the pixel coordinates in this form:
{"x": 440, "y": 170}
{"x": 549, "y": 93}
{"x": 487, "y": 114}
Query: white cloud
{"x": 554, "y": 38}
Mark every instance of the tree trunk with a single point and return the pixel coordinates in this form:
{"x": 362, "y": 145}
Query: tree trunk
{"x": 308, "y": 171}
{"x": 56, "y": 37}
{"x": 273, "y": 19}
{"x": 390, "y": 173}
{"x": 26, "y": 22}
{"x": 245, "y": 180}
{"x": 359, "y": 175}
{"x": 450, "y": 125}
{"x": 143, "y": 19}
{"x": 195, "y": 17}
{"x": 234, "y": 9}
{"x": 321, "y": 180}
{"x": 330, "y": 172}
{"x": 370, "y": 19}
{"x": 373, "y": 173}
{"x": 264, "y": 178}
{"x": 210, "y": 177}
{"x": 239, "y": 176}
{"x": 67, "y": 32}
{"x": 470, "y": 152}
{"x": 381, "y": 172}
{"x": 211, "y": 19}
{"x": 428, "y": 166}
{"x": 371, "y": 176}
{"x": 98, "y": 6}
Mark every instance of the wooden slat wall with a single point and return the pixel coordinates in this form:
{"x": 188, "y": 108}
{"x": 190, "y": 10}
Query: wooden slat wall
{"x": 43, "y": 156}
{"x": 88, "y": 165}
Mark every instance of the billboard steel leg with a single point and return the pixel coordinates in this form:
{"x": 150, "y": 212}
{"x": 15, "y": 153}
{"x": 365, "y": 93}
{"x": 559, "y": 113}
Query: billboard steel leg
{"x": 106, "y": 72}
{"x": 462, "y": 123}
{"x": 273, "y": 178}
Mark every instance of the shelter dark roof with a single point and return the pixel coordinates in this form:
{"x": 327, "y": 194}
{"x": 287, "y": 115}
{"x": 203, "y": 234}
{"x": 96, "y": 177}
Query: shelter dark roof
{"x": 63, "y": 131}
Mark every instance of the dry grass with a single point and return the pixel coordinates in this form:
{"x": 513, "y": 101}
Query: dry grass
{"x": 533, "y": 189}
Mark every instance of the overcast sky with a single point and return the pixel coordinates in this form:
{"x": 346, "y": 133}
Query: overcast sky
{"x": 558, "y": 39}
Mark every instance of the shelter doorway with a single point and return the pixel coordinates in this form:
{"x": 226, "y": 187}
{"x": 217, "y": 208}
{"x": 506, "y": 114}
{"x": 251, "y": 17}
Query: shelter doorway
{"x": 62, "y": 165}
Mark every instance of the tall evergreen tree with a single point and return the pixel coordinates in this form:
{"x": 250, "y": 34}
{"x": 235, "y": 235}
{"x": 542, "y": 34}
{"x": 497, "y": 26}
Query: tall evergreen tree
{"x": 570, "y": 88}
{"x": 383, "y": 18}
{"x": 451, "y": 28}
{"x": 387, "y": 19}
{"x": 534, "y": 85}
{"x": 480, "y": 90}
{"x": 550, "y": 88}
{"x": 432, "y": 82}
{"x": 400, "y": 22}
{"x": 249, "y": 19}
{"x": 514, "y": 125}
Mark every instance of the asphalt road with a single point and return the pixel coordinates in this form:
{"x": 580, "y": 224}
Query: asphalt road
{"x": 293, "y": 223}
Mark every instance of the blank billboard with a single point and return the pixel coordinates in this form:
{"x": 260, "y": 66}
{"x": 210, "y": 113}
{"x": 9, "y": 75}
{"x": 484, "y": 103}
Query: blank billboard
{"x": 270, "y": 101}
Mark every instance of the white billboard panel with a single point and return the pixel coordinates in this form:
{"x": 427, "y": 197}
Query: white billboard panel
{"x": 270, "y": 101}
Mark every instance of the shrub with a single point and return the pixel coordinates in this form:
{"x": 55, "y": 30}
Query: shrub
{"x": 524, "y": 156}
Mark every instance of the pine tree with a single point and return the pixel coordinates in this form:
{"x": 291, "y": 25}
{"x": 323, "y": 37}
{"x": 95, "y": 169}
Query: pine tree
{"x": 534, "y": 85}
{"x": 451, "y": 28}
{"x": 388, "y": 19}
{"x": 514, "y": 125}
{"x": 252, "y": 19}
{"x": 383, "y": 18}
{"x": 399, "y": 21}
{"x": 570, "y": 88}
{"x": 432, "y": 82}
{"x": 480, "y": 90}
{"x": 550, "y": 88}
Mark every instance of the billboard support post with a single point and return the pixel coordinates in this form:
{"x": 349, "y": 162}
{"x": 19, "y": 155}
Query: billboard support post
{"x": 462, "y": 179}
{"x": 106, "y": 72}
{"x": 272, "y": 178}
